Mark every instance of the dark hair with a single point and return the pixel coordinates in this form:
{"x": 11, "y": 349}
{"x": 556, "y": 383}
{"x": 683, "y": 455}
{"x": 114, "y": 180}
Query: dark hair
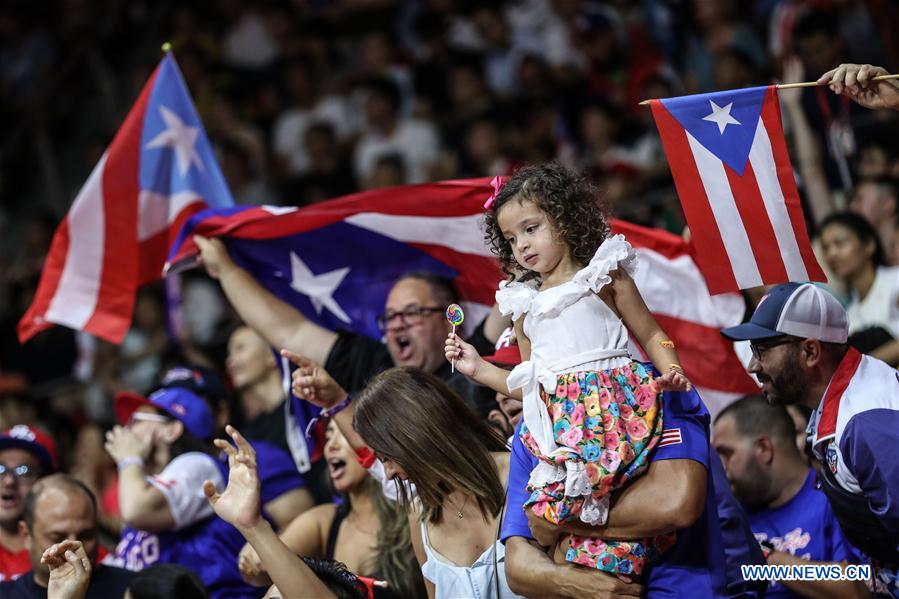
{"x": 415, "y": 419}
{"x": 570, "y": 202}
{"x": 337, "y": 578}
{"x": 442, "y": 289}
{"x": 754, "y": 416}
{"x": 54, "y": 480}
{"x": 861, "y": 228}
{"x": 162, "y": 581}
{"x": 386, "y": 89}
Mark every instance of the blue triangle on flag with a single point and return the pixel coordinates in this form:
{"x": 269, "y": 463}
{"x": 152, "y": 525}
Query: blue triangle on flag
{"x": 723, "y": 122}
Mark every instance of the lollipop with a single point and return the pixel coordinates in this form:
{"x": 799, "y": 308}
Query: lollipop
{"x": 455, "y": 316}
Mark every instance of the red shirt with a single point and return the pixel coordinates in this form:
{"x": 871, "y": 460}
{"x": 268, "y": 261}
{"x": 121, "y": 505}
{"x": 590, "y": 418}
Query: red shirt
{"x": 13, "y": 563}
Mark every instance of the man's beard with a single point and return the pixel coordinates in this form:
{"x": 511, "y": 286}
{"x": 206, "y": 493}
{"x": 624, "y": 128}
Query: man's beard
{"x": 787, "y": 386}
{"x": 753, "y": 488}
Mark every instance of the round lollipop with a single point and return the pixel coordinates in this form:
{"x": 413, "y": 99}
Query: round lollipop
{"x": 455, "y": 316}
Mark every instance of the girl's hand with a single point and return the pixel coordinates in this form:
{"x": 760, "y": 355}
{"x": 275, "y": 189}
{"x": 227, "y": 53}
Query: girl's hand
{"x": 121, "y": 442}
{"x": 468, "y": 361}
{"x": 674, "y": 380}
{"x": 239, "y": 504}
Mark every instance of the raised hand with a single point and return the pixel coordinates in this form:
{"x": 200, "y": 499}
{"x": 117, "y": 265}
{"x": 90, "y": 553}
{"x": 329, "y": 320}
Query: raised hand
{"x": 468, "y": 361}
{"x": 313, "y": 383}
{"x": 70, "y": 570}
{"x": 121, "y": 442}
{"x": 213, "y": 255}
{"x": 854, "y": 80}
{"x": 239, "y": 504}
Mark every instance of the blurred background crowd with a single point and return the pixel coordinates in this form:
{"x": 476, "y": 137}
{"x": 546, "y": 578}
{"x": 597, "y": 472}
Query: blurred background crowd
{"x": 306, "y": 100}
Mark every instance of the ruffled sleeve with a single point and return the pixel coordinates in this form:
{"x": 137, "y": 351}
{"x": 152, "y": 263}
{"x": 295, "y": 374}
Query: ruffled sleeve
{"x": 613, "y": 253}
{"x": 514, "y": 298}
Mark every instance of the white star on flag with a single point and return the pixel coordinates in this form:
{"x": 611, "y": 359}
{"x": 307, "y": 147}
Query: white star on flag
{"x": 721, "y": 116}
{"x": 179, "y": 136}
{"x": 319, "y": 288}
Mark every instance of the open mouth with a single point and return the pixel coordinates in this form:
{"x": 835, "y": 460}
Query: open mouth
{"x": 9, "y": 500}
{"x": 336, "y": 467}
{"x": 404, "y": 347}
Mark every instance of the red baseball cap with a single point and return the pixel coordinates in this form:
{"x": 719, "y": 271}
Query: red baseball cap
{"x": 179, "y": 403}
{"x": 34, "y": 441}
{"x": 506, "y": 352}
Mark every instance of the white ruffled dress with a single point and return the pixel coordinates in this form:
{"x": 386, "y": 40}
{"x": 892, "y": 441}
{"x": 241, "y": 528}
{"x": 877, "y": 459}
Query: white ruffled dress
{"x": 571, "y": 330}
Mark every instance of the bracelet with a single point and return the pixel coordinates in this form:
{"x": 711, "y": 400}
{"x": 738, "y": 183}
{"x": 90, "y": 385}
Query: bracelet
{"x": 676, "y": 367}
{"x": 129, "y": 461}
{"x": 329, "y": 412}
{"x": 667, "y": 343}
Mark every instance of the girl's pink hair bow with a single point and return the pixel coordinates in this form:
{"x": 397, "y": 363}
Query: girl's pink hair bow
{"x": 497, "y": 183}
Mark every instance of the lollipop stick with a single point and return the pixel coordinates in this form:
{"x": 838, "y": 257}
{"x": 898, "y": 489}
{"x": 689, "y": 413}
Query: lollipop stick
{"x": 453, "y": 369}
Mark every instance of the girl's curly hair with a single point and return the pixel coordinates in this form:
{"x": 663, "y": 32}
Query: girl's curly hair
{"x": 571, "y": 202}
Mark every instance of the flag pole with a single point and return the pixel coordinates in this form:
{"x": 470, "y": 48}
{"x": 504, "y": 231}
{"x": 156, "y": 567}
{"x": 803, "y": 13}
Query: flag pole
{"x": 807, "y": 84}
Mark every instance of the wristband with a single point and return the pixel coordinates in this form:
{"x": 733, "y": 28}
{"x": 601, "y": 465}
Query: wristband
{"x": 329, "y": 412}
{"x": 129, "y": 461}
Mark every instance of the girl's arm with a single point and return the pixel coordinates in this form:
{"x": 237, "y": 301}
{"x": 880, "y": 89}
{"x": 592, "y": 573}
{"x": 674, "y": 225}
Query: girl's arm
{"x": 467, "y": 361}
{"x": 624, "y": 298}
{"x": 418, "y": 546}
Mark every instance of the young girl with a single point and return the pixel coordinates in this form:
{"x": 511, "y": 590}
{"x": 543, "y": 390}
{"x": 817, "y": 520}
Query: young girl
{"x": 592, "y": 415}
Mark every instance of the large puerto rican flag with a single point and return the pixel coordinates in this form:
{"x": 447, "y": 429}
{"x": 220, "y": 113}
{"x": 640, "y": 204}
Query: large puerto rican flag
{"x": 336, "y": 262}
{"x": 730, "y": 165}
{"x": 157, "y": 172}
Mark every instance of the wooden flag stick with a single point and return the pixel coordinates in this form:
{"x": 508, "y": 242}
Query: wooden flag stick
{"x": 808, "y": 84}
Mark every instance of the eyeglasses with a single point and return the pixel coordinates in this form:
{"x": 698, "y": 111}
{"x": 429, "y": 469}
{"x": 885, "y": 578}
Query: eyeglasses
{"x": 409, "y": 317}
{"x": 147, "y": 417}
{"x": 23, "y": 472}
{"x": 759, "y": 350}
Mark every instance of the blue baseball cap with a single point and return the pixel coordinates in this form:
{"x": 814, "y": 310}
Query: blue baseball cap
{"x": 181, "y": 404}
{"x": 799, "y": 309}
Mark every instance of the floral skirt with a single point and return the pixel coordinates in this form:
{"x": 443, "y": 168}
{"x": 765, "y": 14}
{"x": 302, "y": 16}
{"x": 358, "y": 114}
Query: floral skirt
{"x": 609, "y": 421}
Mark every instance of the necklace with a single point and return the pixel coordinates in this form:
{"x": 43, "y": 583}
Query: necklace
{"x": 459, "y": 511}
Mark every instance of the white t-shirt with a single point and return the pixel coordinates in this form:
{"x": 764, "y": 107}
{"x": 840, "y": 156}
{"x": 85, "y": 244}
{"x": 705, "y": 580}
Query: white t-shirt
{"x": 415, "y": 141}
{"x": 181, "y": 482}
{"x": 880, "y": 307}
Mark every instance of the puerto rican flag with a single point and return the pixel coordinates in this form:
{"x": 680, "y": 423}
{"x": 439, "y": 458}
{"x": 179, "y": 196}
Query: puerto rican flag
{"x": 730, "y": 165}
{"x": 337, "y": 261}
{"x": 157, "y": 172}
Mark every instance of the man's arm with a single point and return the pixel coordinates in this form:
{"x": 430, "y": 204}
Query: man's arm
{"x": 868, "y": 445}
{"x": 670, "y": 496}
{"x": 279, "y": 323}
{"x": 531, "y": 572}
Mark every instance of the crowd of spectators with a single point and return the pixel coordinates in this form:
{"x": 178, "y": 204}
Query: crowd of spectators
{"x": 304, "y": 101}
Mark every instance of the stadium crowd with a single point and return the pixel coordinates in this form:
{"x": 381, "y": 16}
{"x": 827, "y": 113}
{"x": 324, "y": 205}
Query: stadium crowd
{"x": 193, "y": 464}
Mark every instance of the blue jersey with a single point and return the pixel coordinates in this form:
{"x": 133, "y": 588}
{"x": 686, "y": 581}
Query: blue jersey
{"x": 695, "y": 565}
{"x": 805, "y": 527}
{"x": 202, "y": 541}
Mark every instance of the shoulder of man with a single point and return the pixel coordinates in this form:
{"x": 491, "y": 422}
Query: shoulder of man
{"x": 356, "y": 358}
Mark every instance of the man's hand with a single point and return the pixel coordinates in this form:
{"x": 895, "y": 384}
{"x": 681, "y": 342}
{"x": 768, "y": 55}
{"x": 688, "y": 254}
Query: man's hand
{"x": 313, "y": 383}
{"x": 239, "y": 505}
{"x": 251, "y": 568}
{"x": 213, "y": 255}
{"x": 854, "y": 80}
{"x": 70, "y": 570}
{"x": 546, "y": 533}
{"x": 121, "y": 442}
{"x": 577, "y": 582}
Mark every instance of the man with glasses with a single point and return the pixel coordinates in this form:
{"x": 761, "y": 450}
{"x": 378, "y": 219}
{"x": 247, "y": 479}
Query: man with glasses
{"x": 26, "y": 454}
{"x": 413, "y": 323}
{"x": 798, "y": 335}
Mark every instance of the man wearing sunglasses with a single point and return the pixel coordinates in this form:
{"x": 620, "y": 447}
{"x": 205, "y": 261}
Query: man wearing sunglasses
{"x": 798, "y": 336}
{"x": 26, "y": 454}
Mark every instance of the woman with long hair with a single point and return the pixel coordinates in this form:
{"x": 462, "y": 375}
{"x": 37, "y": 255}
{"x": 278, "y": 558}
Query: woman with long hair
{"x": 425, "y": 434}
{"x": 853, "y": 251}
{"x": 366, "y": 532}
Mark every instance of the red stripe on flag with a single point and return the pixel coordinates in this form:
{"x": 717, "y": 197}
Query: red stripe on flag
{"x": 708, "y": 358}
{"x": 119, "y": 278}
{"x": 710, "y": 253}
{"x": 771, "y": 118}
{"x": 749, "y": 202}
{"x": 479, "y": 275}
{"x": 33, "y": 322}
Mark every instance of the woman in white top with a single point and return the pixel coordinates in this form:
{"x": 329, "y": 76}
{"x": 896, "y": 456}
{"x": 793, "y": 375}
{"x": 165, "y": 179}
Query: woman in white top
{"x": 424, "y": 433}
{"x": 853, "y": 252}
